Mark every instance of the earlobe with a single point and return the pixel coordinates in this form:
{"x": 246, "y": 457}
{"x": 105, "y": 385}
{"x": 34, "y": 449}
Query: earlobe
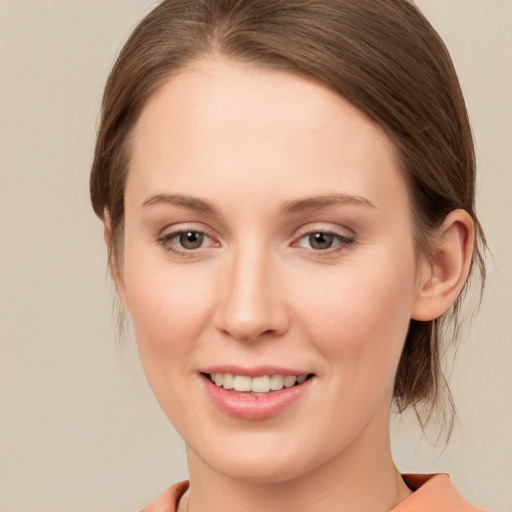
{"x": 444, "y": 274}
{"x": 113, "y": 264}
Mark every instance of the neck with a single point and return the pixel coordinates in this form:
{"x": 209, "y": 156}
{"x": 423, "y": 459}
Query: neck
{"x": 361, "y": 478}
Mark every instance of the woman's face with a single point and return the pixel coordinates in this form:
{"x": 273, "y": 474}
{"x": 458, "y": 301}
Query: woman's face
{"x": 268, "y": 234}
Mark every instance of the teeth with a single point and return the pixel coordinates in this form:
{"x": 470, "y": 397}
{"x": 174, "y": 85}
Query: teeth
{"x": 276, "y": 382}
{"x": 228, "y": 381}
{"x": 262, "y": 384}
{"x": 290, "y": 381}
{"x": 242, "y": 383}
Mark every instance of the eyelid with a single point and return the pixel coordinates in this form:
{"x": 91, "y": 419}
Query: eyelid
{"x": 166, "y": 236}
{"x": 344, "y": 240}
{"x": 318, "y": 227}
{"x": 341, "y": 241}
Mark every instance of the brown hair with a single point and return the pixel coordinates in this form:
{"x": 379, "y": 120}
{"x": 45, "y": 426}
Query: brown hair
{"x": 381, "y": 55}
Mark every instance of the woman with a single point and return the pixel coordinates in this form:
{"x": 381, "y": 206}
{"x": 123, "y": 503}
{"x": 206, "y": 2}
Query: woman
{"x": 287, "y": 190}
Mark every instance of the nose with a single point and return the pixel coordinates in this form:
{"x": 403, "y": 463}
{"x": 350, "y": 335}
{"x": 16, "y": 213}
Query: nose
{"x": 251, "y": 299}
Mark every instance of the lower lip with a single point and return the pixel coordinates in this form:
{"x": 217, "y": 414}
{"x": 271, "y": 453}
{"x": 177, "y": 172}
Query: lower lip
{"x": 254, "y": 407}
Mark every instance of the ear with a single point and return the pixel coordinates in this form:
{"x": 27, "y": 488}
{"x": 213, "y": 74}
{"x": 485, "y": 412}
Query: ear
{"x": 113, "y": 264}
{"x": 444, "y": 274}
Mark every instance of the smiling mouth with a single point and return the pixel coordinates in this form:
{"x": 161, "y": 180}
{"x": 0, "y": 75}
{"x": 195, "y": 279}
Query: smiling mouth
{"x": 264, "y": 384}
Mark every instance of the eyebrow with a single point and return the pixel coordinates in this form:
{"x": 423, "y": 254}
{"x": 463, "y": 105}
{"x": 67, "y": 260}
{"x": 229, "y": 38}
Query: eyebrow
{"x": 320, "y": 202}
{"x": 181, "y": 201}
{"x": 288, "y": 208}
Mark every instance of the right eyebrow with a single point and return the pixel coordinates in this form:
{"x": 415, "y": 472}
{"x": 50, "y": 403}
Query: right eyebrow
{"x": 325, "y": 201}
{"x": 181, "y": 201}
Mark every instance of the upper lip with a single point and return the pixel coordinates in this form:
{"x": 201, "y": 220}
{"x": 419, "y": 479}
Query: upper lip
{"x": 255, "y": 371}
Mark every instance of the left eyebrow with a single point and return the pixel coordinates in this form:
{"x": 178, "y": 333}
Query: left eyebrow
{"x": 319, "y": 202}
{"x": 181, "y": 201}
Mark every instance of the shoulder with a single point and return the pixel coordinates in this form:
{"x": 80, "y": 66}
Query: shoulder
{"x": 433, "y": 493}
{"x": 168, "y": 500}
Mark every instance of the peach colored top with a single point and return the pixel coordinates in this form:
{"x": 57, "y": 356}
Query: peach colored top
{"x": 434, "y": 493}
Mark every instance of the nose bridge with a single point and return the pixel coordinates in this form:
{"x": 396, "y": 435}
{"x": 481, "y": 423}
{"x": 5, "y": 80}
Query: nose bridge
{"x": 250, "y": 304}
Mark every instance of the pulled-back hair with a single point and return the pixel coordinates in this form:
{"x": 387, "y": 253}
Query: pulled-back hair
{"x": 381, "y": 55}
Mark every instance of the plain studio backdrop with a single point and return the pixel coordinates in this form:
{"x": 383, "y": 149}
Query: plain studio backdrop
{"x": 79, "y": 429}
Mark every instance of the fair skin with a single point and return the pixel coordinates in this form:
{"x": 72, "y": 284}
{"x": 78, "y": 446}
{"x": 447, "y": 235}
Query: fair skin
{"x": 299, "y": 260}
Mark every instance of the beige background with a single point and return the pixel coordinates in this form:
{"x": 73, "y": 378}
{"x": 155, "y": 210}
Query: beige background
{"x": 79, "y": 428}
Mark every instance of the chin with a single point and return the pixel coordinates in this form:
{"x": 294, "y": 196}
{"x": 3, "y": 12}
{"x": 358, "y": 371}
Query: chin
{"x": 261, "y": 471}
{"x": 264, "y": 461}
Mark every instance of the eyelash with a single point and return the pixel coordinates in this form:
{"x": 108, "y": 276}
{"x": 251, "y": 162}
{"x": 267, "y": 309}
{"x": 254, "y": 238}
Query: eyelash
{"x": 165, "y": 240}
{"x": 343, "y": 242}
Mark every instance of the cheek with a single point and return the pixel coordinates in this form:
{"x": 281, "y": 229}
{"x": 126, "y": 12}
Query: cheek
{"x": 359, "y": 318}
{"x": 169, "y": 311}
{"x": 168, "y": 307}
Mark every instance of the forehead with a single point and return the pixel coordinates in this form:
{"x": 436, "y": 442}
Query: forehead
{"x": 222, "y": 123}
{"x": 216, "y": 89}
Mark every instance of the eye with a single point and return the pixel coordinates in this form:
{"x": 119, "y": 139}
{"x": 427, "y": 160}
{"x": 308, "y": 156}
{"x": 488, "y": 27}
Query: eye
{"x": 321, "y": 241}
{"x": 190, "y": 239}
{"x": 324, "y": 241}
{"x": 185, "y": 241}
